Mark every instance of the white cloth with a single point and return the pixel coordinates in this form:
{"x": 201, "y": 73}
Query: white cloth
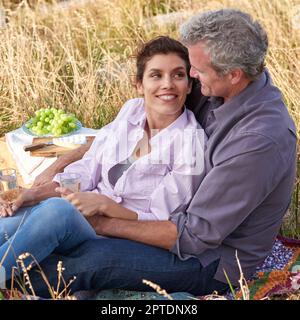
{"x": 30, "y": 167}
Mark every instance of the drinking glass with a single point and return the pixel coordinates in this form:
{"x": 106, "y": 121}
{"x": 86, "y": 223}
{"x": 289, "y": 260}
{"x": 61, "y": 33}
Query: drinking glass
{"x": 8, "y": 184}
{"x": 70, "y": 181}
{"x": 8, "y": 179}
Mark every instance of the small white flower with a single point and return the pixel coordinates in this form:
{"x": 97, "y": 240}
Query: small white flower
{"x": 295, "y": 282}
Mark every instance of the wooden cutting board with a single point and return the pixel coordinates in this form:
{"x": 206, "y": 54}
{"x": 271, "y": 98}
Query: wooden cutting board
{"x": 53, "y": 150}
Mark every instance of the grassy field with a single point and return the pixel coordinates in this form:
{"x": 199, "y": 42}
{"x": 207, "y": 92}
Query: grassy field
{"x": 79, "y": 56}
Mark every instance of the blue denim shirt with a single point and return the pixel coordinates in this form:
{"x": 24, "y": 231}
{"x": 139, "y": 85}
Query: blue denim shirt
{"x": 250, "y": 162}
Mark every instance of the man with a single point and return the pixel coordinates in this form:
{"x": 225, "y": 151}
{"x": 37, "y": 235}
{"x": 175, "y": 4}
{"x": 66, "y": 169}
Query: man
{"x": 238, "y": 209}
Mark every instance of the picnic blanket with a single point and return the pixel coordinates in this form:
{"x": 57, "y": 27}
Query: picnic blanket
{"x": 281, "y": 278}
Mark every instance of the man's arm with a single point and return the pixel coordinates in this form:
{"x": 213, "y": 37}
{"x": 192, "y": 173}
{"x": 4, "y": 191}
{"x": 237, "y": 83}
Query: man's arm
{"x": 162, "y": 234}
{"x": 59, "y": 165}
{"x": 247, "y": 170}
{"x": 27, "y": 197}
{"x": 34, "y": 195}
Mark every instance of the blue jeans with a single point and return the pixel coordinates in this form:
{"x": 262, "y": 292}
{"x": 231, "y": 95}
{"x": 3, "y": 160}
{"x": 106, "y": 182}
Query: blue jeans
{"x": 54, "y": 225}
{"x": 123, "y": 264}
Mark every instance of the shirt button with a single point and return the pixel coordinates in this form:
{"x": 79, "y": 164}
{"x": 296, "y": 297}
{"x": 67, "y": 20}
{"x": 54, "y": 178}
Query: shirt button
{"x": 118, "y": 199}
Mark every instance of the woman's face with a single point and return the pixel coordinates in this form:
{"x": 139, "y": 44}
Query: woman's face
{"x": 165, "y": 84}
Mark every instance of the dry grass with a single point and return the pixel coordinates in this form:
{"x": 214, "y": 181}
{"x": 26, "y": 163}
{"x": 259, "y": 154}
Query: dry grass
{"x": 21, "y": 279}
{"x": 78, "y": 57}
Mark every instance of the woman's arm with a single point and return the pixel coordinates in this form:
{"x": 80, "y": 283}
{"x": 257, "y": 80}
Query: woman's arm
{"x": 59, "y": 165}
{"x": 112, "y": 209}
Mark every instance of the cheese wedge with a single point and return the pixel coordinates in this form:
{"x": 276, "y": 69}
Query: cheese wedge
{"x": 71, "y": 142}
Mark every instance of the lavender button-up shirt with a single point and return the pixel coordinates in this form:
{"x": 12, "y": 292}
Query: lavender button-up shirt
{"x": 156, "y": 185}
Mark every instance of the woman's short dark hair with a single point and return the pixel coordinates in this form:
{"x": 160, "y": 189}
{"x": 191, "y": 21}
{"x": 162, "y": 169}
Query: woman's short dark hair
{"x": 159, "y": 45}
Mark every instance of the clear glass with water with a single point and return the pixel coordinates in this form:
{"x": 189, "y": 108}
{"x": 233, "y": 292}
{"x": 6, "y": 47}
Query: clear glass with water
{"x": 70, "y": 181}
{"x": 8, "y": 180}
{"x": 9, "y": 190}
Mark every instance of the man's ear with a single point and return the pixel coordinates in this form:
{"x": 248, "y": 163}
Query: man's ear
{"x": 236, "y": 75}
{"x": 140, "y": 88}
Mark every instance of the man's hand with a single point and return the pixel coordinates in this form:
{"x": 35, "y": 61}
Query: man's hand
{"x": 99, "y": 224}
{"x": 8, "y": 207}
{"x": 6, "y": 200}
{"x": 27, "y": 197}
{"x": 5, "y": 208}
{"x": 44, "y": 177}
{"x": 88, "y": 203}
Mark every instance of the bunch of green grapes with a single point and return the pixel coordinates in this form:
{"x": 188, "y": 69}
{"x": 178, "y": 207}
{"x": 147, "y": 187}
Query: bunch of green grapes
{"x": 52, "y": 121}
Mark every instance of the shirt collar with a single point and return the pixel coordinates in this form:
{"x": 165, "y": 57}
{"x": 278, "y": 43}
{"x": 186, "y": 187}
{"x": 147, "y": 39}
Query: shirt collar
{"x": 139, "y": 119}
{"x": 229, "y": 108}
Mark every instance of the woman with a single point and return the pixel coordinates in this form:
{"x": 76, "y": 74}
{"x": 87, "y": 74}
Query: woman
{"x": 145, "y": 165}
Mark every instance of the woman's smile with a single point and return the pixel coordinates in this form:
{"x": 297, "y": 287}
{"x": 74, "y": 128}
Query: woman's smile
{"x": 167, "y": 97}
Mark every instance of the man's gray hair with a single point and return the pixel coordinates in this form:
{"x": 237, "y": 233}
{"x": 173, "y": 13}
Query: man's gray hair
{"x": 232, "y": 38}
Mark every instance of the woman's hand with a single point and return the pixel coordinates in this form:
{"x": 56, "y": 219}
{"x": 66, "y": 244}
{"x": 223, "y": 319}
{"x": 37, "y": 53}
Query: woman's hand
{"x": 63, "y": 191}
{"x": 88, "y": 203}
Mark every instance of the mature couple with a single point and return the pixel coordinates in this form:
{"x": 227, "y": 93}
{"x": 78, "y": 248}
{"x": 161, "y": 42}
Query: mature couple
{"x": 174, "y": 215}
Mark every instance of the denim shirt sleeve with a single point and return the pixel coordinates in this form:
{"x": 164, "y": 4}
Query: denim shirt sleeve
{"x": 244, "y": 173}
